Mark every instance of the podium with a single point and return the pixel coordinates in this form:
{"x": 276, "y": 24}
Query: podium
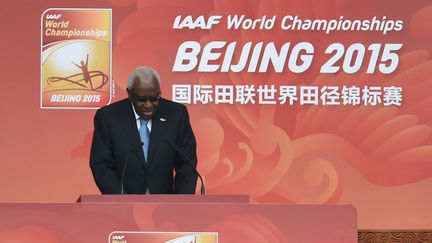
{"x": 175, "y": 218}
{"x": 155, "y": 198}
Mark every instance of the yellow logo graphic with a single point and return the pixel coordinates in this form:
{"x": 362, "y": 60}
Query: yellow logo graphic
{"x": 163, "y": 237}
{"x": 86, "y": 80}
{"x": 76, "y": 58}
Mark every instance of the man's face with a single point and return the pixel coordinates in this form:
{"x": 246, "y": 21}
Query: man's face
{"x": 145, "y": 97}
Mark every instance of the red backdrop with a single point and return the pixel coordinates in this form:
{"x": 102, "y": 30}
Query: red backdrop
{"x": 377, "y": 158}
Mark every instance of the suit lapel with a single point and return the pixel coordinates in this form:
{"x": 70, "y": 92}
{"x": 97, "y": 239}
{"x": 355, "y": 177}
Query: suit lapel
{"x": 131, "y": 130}
{"x": 157, "y": 132}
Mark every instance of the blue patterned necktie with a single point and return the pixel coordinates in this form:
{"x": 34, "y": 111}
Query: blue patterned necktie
{"x": 145, "y": 136}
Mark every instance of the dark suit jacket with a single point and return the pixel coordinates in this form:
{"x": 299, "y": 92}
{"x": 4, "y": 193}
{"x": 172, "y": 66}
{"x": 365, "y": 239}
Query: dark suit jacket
{"x": 116, "y": 134}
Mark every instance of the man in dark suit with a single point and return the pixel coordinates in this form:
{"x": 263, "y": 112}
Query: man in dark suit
{"x": 143, "y": 129}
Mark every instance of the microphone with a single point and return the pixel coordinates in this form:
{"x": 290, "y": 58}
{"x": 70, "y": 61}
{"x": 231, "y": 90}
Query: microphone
{"x": 125, "y": 164}
{"x": 189, "y": 161}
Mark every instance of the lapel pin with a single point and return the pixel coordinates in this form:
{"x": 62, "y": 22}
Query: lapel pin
{"x": 163, "y": 119}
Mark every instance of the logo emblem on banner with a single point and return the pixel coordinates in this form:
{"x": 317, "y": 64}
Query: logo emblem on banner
{"x": 76, "y": 58}
{"x": 163, "y": 237}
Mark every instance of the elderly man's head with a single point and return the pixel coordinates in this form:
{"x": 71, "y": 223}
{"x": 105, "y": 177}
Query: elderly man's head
{"x": 144, "y": 91}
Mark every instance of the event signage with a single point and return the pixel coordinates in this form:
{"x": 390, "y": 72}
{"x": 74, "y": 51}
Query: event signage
{"x": 162, "y": 237}
{"x": 75, "y": 58}
{"x": 287, "y": 57}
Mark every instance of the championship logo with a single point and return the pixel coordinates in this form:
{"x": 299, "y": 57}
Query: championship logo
{"x": 76, "y": 58}
{"x": 162, "y": 237}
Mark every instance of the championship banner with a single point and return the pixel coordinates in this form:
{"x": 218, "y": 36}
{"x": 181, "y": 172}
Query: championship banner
{"x": 269, "y": 67}
{"x": 76, "y": 58}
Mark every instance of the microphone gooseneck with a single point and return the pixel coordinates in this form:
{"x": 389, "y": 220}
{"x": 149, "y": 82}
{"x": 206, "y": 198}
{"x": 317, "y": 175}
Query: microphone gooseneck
{"x": 125, "y": 164}
{"x": 189, "y": 161}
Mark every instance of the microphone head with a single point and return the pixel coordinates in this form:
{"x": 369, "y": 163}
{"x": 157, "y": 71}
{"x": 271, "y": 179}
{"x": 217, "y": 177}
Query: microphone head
{"x": 139, "y": 145}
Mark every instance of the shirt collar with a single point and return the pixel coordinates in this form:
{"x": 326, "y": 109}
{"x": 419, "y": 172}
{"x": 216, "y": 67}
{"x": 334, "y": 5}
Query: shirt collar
{"x": 136, "y": 114}
{"x": 137, "y": 117}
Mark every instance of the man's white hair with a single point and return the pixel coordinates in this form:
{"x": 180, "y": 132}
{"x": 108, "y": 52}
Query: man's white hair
{"x": 142, "y": 72}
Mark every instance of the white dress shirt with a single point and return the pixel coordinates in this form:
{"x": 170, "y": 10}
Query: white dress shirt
{"x": 137, "y": 120}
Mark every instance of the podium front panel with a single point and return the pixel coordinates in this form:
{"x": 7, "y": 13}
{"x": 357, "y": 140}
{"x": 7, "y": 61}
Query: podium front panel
{"x": 151, "y": 222}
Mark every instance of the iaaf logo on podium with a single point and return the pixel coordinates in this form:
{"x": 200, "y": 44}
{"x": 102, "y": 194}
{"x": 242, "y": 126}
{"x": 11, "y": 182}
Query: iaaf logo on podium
{"x": 118, "y": 239}
{"x": 162, "y": 237}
